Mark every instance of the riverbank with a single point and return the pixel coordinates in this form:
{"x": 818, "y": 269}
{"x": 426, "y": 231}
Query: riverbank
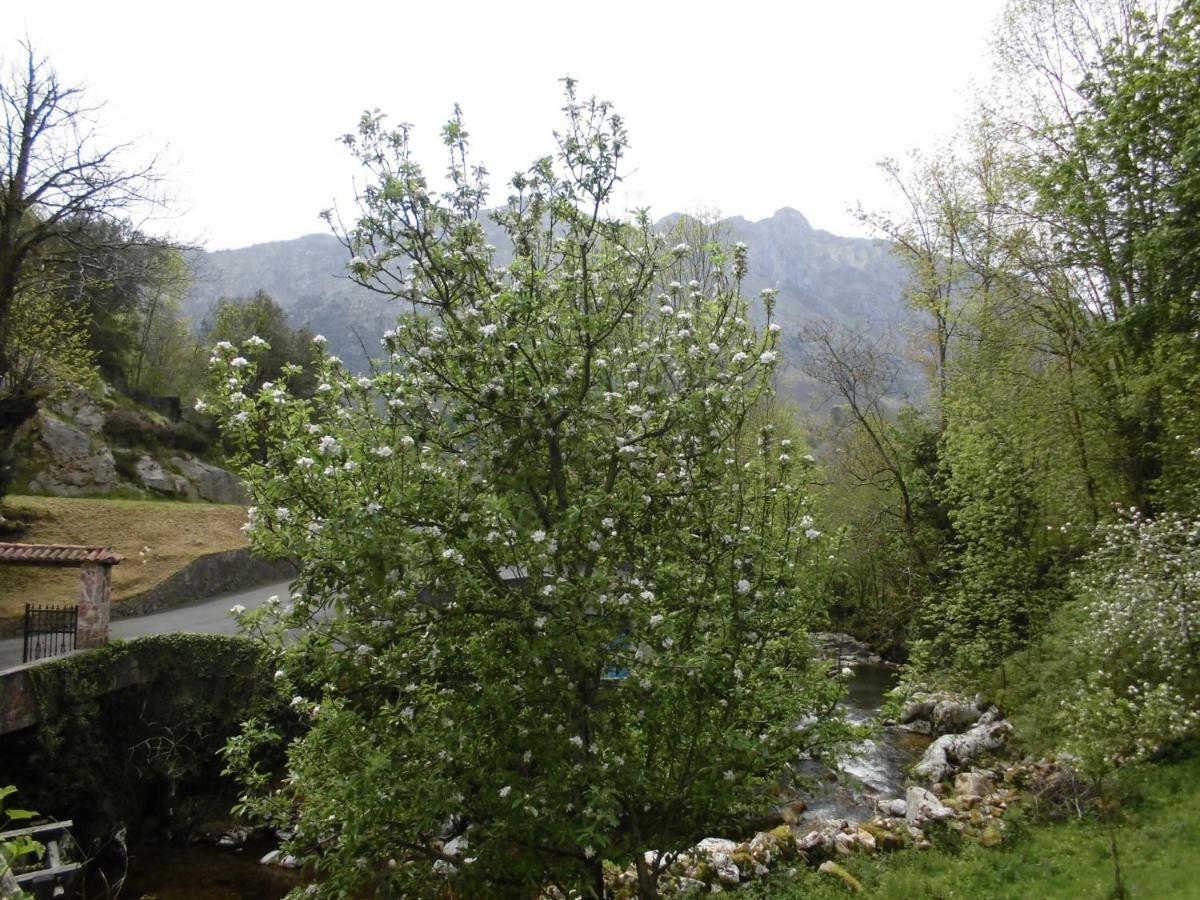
{"x": 157, "y": 538}
{"x": 1157, "y": 836}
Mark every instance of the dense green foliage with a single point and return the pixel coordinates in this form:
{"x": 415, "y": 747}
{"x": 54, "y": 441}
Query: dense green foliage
{"x": 236, "y": 320}
{"x": 1044, "y": 499}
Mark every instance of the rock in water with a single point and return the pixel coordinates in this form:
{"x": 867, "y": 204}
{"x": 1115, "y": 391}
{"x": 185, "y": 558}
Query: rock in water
{"x": 950, "y": 751}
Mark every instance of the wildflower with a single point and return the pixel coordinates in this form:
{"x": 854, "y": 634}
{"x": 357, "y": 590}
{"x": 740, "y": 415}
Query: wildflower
{"x": 489, "y": 329}
{"x": 505, "y": 791}
{"x": 767, "y": 357}
{"x": 318, "y": 339}
{"x": 383, "y": 452}
{"x": 743, "y": 586}
{"x": 237, "y": 610}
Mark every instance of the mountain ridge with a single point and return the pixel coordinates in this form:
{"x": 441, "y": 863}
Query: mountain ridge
{"x": 853, "y": 281}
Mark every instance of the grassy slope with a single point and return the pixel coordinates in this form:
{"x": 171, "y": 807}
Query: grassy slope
{"x": 176, "y": 533}
{"x": 1158, "y": 842}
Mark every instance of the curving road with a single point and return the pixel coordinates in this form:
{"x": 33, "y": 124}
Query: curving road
{"x": 208, "y": 616}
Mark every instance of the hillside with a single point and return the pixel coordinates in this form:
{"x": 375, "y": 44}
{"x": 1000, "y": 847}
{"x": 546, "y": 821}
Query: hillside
{"x": 157, "y": 539}
{"x": 818, "y": 275}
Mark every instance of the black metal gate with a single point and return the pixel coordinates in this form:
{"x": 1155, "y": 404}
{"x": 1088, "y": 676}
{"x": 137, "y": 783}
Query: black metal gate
{"x": 49, "y": 631}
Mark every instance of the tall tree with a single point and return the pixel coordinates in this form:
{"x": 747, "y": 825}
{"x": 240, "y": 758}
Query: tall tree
{"x": 576, "y": 583}
{"x": 58, "y": 182}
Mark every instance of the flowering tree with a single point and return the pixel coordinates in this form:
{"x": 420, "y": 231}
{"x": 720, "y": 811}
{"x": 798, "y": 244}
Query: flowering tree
{"x": 1141, "y": 640}
{"x": 554, "y": 587}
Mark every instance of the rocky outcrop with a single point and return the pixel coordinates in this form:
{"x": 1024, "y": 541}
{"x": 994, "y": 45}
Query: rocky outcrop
{"x": 67, "y": 458}
{"x": 844, "y": 650}
{"x": 66, "y": 450}
{"x": 209, "y": 482}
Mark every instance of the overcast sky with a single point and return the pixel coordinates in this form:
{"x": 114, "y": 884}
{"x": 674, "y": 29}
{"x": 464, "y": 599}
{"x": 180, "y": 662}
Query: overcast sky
{"x": 740, "y": 107}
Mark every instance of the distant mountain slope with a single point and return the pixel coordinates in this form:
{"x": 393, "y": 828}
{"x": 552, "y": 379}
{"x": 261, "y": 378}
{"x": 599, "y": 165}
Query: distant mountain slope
{"x": 818, "y": 275}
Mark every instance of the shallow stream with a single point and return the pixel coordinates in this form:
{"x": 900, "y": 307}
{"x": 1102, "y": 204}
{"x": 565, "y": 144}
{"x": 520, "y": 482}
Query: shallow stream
{"x": 874, "y": 770}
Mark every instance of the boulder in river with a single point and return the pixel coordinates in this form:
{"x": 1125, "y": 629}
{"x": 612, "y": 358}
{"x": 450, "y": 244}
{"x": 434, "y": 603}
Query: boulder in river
{"x": 951, "y": 751}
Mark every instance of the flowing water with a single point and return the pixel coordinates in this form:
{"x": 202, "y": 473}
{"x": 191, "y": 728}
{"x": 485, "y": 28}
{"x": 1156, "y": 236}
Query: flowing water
{"x": 874, "y": 769}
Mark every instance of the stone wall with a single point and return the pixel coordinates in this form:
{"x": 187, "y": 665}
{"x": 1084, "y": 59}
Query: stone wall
{"x": 207, "y": 576}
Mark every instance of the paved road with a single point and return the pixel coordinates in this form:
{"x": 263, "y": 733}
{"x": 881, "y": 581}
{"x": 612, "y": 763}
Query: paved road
{"x": 209, "y": 616}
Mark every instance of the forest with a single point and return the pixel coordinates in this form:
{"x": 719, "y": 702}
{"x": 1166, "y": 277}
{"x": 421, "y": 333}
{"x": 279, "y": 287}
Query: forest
{"x": 562, "y": 543}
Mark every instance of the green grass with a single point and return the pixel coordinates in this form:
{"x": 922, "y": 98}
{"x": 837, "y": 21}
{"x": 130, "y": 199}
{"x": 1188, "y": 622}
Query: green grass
{"x": 1158, "y": 843}
{"x": 176, "y": 534}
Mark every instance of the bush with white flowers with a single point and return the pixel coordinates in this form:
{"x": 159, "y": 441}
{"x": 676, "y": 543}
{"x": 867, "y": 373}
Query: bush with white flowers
{"x": 554, "y": 585}
{"x": 1140, "y": 642}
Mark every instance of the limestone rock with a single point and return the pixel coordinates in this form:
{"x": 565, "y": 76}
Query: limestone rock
{"x": 923, "y": 806}
{"x": 726, "y": 869}
{"x": 211, "y": 482}
{"x": 945, "y": 712}
{"x": 62, "y": 459}
{"x": 831, "y": 868}
{"x": 153, "y": 477}
{"x": 714, "y": 845}
{"x": 950, "y": 751}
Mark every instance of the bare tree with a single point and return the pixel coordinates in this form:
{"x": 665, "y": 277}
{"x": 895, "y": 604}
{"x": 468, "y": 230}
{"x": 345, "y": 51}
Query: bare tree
{"x": 57, "y": 177}
{"x": 860, "y": 372}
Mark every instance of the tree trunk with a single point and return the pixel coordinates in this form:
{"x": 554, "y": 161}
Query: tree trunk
{"x": 647, "y": 883}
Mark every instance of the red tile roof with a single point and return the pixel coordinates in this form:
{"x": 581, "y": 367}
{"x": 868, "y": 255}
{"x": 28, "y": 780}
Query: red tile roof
{"x": 57, "y": 555}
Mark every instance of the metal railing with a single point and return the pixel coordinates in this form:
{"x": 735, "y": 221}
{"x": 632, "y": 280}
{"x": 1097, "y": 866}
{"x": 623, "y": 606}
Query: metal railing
{"x": 49, "y": 631}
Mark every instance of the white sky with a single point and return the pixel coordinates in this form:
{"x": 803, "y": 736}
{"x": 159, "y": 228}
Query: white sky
{"x": 740, "y": 107}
